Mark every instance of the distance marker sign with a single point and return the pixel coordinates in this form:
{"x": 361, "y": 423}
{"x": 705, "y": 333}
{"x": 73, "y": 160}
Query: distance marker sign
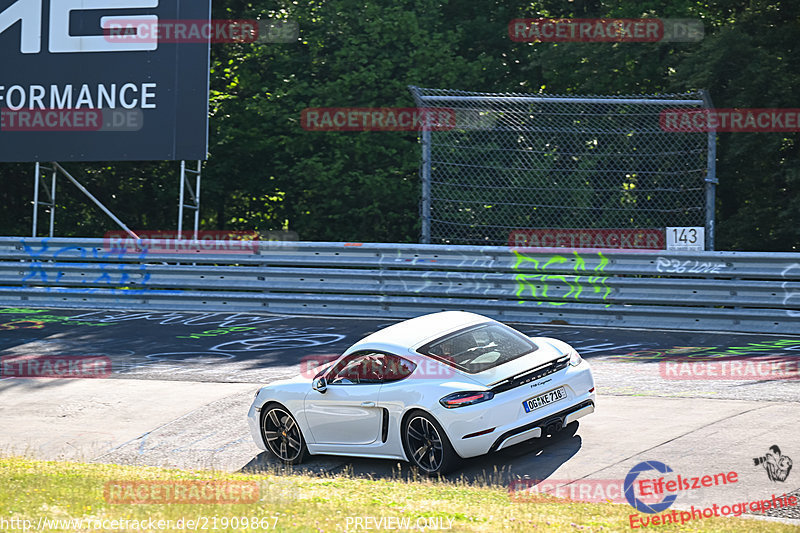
{"x": 73, "y": 90}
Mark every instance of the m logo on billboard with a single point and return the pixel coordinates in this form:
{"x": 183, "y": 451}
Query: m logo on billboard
{"x": 31, "y": 12}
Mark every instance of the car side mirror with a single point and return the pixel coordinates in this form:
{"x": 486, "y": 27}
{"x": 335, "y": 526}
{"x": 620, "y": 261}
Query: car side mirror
{"x": 320, "y": 385}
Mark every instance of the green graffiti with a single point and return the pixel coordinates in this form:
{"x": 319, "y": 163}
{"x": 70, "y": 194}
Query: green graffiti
{"x": 536, "y": 277}
{"x": 214, "y": 332}
{"x": 17, "y": 310}
{"x": 64, "y": 320}
{"x": 711, "y": 352}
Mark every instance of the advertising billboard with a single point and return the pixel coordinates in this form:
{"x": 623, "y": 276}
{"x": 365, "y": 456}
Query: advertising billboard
{"x": 71, "y": 89}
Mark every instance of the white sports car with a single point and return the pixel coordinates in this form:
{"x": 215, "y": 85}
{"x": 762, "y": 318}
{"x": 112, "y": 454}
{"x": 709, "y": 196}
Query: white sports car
{"x": 427, "y": 390}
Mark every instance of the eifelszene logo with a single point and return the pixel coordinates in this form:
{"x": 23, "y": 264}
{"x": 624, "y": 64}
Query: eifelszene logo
{"x": 630, "y": 494}
{"x": 668, "y": 487}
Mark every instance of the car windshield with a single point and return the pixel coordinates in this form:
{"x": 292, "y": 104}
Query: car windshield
{"x": 480, "y": 348}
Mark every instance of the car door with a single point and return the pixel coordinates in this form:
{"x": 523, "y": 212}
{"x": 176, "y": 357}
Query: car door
{"x": 347, "y": 412}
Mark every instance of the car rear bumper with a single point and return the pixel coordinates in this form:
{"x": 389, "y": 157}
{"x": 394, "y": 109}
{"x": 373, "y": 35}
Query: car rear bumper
{"x": 536, "y": 429}
{"x": 502, "y": 421}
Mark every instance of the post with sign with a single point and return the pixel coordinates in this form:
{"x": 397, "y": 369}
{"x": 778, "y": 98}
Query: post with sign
{"x": 71, "y": 90}
{"x": 686, "y": 239}
{"x": 711, "y": 176}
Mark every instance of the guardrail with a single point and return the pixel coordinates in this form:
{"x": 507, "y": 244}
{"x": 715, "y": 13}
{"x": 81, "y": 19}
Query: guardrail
{"x": 727, "y": 291}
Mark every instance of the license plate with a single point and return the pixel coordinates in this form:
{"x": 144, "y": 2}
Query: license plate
{"x": 544, "y": 399}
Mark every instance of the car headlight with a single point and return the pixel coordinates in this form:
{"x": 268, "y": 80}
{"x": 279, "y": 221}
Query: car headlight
{"x": 574, "y": 358}
{"x": 461, "y": 399}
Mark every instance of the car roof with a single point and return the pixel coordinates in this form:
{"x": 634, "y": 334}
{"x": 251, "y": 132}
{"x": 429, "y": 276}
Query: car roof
{"x": 402, "y": 337}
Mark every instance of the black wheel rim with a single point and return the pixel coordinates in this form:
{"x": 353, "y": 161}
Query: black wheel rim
{"x": 424, "y": 444}
{"x": 282, "y": 434}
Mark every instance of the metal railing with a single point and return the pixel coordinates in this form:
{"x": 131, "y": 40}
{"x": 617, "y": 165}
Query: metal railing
{"x": 727, "y": 291}
{"x": 514, "y": 161}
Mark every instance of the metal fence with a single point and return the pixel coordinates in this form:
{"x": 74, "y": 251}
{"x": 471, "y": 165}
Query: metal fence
{"x": 722, "y": 291}
{"x": 522, "y": 161}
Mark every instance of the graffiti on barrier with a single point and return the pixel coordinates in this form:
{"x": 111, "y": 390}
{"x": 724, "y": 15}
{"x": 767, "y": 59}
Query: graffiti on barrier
{"x": 777, "y": 347}
{"x": 454, "y": 283}
{"x": 539, "y": 278}
{"x": 674, "y": 266}
{"x": 43, "y": 268}
{"x": 791, "y": 297}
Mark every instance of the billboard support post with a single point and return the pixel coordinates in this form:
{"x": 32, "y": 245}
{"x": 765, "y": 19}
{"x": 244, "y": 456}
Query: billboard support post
{"x": 51, "y": 197}
{"x": 36, "y": 172}
{"x": 53, "y": 175}
{"x": 194, "y": 194}
{"x": 56, "y": 168}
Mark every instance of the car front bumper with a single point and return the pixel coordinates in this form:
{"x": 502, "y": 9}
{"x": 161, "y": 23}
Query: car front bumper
{"x": 254, "y": 422}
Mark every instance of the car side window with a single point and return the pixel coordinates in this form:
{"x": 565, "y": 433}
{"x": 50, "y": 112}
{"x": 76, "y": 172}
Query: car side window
{"x": 396, "y": 368}
{"x": 358, "y": 369}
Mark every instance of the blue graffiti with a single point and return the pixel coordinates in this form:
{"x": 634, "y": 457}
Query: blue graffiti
{"x": 44, "y": 268}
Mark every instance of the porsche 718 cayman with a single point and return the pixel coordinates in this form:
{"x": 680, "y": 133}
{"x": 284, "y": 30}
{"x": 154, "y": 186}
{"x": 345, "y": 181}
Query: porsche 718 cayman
{"x": 428, "y": 390}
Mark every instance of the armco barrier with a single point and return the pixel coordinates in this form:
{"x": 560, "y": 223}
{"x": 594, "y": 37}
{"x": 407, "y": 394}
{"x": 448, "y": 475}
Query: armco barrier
{"x": 724, "y": 291}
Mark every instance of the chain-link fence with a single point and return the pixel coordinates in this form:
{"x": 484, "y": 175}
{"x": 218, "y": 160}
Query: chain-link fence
{"x": 519, "y": 162}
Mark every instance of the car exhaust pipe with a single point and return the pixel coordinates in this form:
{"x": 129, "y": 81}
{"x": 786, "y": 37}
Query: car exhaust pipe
{"x": 553, "y": 426}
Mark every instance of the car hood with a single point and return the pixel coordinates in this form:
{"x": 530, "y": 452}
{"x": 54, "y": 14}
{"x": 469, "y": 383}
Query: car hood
{"x": 549, "y": 350}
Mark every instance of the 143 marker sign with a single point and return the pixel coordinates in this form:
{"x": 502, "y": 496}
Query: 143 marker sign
{"x": 691, "y": 238}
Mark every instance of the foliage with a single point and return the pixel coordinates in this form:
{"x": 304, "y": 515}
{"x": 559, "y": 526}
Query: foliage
{"x": 265, "y": 172}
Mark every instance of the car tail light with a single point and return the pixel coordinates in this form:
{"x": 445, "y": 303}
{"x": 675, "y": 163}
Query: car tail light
{"x": 574, "y": 358}
{"x": 461, "y": 399}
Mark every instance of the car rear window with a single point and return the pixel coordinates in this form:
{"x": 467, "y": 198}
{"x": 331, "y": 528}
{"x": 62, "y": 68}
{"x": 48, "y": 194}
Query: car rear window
{"x": 480, "y": 348}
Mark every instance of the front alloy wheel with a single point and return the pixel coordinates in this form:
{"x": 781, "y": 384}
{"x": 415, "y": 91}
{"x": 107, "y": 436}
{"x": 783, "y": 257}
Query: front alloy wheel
{"x": 282, "y": 435}
{"x": 427, "y": 445}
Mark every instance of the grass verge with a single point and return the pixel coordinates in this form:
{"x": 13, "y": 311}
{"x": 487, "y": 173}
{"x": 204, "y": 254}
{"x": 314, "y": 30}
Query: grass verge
{"x": 59, "y": 491}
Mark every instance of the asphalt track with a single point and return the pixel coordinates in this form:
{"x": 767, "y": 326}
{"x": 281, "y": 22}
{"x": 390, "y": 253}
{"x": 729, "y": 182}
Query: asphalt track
{"x": 181, "y": 384}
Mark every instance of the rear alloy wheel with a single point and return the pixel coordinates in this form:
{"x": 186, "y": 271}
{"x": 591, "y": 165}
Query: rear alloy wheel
{"x": 282, "y": 435}
{"x": 427, "y": 445}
